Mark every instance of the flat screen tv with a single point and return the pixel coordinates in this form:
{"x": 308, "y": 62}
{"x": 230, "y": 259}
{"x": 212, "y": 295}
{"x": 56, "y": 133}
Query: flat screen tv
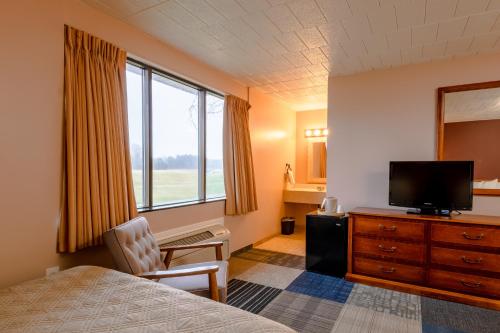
{"x": 431, "y": 187}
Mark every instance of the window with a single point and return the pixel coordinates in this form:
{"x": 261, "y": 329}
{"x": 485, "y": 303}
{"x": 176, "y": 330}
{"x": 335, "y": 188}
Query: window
{"x": 175, "y": 130}
{"x": 136, "y": 132}
{"x": 215, "y": 175}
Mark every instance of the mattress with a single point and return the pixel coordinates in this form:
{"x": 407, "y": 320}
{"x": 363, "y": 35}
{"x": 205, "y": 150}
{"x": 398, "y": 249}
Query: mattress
{"x": 95, "y": 299}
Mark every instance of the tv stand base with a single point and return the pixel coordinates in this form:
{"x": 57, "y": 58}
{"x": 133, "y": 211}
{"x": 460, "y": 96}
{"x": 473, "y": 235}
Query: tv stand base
{"x": 429, "y": 211}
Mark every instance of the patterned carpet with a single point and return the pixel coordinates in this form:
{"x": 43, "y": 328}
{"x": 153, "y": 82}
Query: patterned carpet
{"x": 275, "y": 285}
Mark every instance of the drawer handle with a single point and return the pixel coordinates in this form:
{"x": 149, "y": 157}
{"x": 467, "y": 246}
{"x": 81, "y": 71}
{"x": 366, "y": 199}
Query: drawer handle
{"x": 471, "y": 284}
{"x": 478, "y": 237}
{"x": 383, "y": 248}
{"x": 472, "y": 261}
{"x": 384, "y": 228}
{"x": 388, "y": 271}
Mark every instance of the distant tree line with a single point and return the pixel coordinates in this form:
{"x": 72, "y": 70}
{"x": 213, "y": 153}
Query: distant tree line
{"x": 168, "y": 163}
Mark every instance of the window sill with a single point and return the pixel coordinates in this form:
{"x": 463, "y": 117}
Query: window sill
{"x": 179, "y": 205}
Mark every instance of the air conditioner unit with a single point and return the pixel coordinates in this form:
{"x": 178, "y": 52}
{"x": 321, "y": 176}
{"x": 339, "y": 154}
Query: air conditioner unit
{"x": 203, "y": 232}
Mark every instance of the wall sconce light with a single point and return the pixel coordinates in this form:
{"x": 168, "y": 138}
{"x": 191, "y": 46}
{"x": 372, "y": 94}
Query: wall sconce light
{"x": 316, "y": 133}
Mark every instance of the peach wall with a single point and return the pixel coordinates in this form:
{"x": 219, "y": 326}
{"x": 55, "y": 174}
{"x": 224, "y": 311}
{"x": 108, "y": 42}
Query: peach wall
{"x": 31, "y": 93}
{"x": 306, "y": 120}
{"x": 386, "y": 115}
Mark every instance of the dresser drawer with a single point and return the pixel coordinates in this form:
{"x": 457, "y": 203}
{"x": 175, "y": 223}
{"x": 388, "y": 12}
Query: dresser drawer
{"x": 480, "y": 236}
{"x": 392, "y": 228}
{"x": 466, "y": 259}
{"x": 470, "y": 284}
{"x": 388, "y": 270}
{"x": 390, "y": 249}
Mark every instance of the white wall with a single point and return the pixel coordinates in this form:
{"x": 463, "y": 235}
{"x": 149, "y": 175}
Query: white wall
{"x": 385, "y": 115}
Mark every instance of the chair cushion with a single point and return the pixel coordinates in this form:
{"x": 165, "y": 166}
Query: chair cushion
{"x": 134, "y": 247}
{"x": 198, "y": 284}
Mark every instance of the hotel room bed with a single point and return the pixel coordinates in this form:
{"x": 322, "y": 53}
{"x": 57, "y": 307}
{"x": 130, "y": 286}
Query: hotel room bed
{"x": 95, "y": 299}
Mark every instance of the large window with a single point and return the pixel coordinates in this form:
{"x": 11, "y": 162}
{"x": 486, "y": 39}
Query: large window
{"x": 175, "y": 130}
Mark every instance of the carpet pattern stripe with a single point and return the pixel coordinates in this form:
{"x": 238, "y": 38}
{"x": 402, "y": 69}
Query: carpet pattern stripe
{"x": 249, "y": 296}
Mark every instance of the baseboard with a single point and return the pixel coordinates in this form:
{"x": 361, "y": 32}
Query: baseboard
{"x": 243, "y": 249}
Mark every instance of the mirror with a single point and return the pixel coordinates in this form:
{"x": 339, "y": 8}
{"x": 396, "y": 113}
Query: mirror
{"x": 316, "y": 162}
{"x": 469, "y": 129}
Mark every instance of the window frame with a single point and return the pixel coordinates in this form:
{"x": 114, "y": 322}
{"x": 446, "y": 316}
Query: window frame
{"x": 147, "y": 125}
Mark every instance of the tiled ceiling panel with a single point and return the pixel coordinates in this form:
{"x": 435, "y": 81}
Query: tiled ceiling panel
{"x": 288, "y": 48}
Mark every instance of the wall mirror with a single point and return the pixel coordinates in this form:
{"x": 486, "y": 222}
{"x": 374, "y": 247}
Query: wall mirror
{"x": 316, "y": 162}
{"x": 468, "y": 119}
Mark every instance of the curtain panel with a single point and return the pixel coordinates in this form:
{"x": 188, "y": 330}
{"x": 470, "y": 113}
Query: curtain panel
{"x": 97, "y": 177}
{"x": 239, "y": 179}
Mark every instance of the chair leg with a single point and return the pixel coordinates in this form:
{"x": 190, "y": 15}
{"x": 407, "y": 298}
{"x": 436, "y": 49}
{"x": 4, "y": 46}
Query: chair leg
{"x": 212, "y": 286}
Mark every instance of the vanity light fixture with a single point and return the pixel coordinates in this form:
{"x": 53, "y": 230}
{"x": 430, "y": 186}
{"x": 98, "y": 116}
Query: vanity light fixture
{"x": 316, "y": 133}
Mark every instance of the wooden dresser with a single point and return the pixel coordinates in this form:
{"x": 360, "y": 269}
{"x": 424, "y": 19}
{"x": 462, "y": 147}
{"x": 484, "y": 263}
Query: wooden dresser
{"x": 454, "y": 258}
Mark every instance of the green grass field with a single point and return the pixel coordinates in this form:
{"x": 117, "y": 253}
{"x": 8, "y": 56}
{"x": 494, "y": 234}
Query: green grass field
{"x": 178, "y": 185}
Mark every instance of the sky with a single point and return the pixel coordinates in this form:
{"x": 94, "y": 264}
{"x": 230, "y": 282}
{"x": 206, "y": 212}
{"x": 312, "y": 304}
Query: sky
{"x": 175, "y": 118}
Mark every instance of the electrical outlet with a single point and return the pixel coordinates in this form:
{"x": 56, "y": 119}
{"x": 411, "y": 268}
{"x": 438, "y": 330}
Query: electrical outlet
{"x": 51, "y": 270}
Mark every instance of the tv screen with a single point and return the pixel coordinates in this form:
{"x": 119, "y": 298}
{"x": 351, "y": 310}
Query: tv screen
{"x": 445, "y": 185}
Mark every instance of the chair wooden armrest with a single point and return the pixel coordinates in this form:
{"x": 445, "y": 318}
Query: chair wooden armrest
{"x": 170, "y": 250}
{"x": 208, "y": 269}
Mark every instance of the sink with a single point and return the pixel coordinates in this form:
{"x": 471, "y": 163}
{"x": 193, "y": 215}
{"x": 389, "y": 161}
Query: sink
{"x": 305, "y": 194}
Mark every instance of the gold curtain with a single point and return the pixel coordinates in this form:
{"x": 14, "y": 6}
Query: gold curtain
{"x": 97, "y": 177}
{"x": 239, "y": 180}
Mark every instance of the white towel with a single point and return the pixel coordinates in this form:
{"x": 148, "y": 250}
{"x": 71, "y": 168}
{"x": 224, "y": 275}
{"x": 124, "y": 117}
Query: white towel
{"x": 291, "y": 178}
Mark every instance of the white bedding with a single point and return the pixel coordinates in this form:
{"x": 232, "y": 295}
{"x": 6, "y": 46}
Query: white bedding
{"x": 94, "y": 299}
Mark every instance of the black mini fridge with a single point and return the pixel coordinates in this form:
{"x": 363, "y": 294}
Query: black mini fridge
{"x": 326, "y": 244}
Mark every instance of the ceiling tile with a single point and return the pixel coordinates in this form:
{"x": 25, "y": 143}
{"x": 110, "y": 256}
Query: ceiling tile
{"x": 241, "y": 30}
{"x": 253, "y": 5}
{"x": 424, "y": 34}
{"x": 468, "y": 7}
{"x": 371, "y": 61}
{"x": 391, "y": 59}
{"x": 485, "y": 42}
{"x": 283, "y": 18}
{"x": 333, "y": 32}
{"x": 383, "y": 19}
{"x": 437, "y": 10}
{"x": 376, "y": 43}
{"x": 315, "y": 56}
{"x": 363, "y": 6}
{"x": 481, "y": 23}
{"x": 410, "y": 13}
{"x": 307, "y": 12}
{"x": 335, "y": 10}
{"x": 494, "y": 5}
{"x": 353, "y": 47}
{"x": 261, "y": 24}
{"x": 458, "y": 46}
{"x": 451, "y": 29}
{"x": 400, "y": 39}
{"x": 297, "y": 59}
{"x": 291, "y": 41}
{"x": 434, "y": 50}
{"x": 202, "y": 10}
{"x": 357, "y": 26}
{"x": 311, "y": 37}
{"x": 180, "y": 15}
{"x": 271, "y": 45}
{"x": 412, "y": 55}
{"x": 228, "y": 8}
{"x": 317, "y": 69}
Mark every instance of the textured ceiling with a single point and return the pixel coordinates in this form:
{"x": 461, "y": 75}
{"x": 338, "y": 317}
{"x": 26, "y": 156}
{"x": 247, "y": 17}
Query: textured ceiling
{"x": 289, "y": 47}
{"x": 472, "y": 105}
